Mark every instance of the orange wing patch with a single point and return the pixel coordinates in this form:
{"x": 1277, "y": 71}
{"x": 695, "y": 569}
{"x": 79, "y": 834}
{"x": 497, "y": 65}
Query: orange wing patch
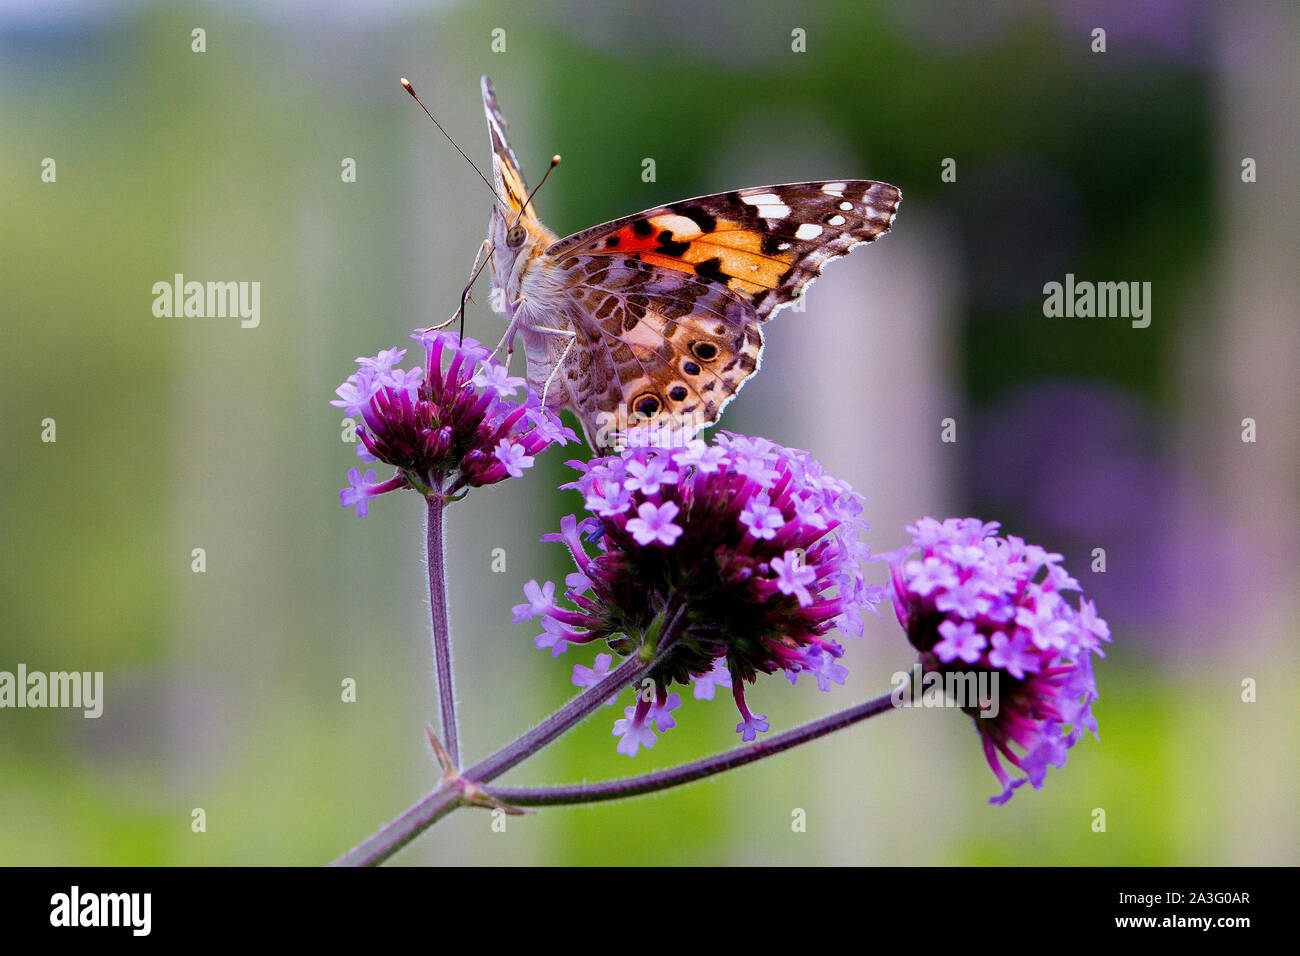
{"x": 728, "y": 252}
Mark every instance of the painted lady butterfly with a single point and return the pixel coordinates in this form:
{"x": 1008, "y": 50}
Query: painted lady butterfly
{"x": 656, "y": 318}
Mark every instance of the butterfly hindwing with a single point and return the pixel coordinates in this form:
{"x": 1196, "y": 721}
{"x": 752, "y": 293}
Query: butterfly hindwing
{"x": 654, "y": 340}
{"x": 765, "y": 243}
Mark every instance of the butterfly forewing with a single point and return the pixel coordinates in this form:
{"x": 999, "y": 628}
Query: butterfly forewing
{"x": 511, "y": 186}
{"x": 764, "y": 243}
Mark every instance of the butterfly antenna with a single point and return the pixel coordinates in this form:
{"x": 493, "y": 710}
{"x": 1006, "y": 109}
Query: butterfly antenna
{"x": 555, "y": 161}
{"x": 406, "y": 85}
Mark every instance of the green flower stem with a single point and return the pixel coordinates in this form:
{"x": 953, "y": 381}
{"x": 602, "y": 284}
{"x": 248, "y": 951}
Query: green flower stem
{"x": 437, "y": 550}
{"x": 699, "y": 769}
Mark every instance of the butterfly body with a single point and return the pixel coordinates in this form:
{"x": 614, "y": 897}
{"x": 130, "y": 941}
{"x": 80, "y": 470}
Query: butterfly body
{"x": 526, "y": 294}
{"x": 656, "y": 318}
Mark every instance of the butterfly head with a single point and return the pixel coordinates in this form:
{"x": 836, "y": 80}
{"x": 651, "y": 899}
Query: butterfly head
{"x": 517, "y": 241}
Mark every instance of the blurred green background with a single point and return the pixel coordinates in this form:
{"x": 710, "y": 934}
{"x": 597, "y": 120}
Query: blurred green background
{"x": 223, "y": 687}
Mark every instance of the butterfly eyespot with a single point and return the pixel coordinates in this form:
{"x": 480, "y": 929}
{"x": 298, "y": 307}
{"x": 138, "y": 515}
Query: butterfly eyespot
{"x": 690, "y": 368}
{"x": 516, "y": 236}
{"x": 677, "y": 393}
{"x": 704, "y": 351}
{"x": 647, "y": 404}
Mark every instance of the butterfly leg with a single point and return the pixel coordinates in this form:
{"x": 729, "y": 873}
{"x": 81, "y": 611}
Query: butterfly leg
{"x": 507, "y": 341}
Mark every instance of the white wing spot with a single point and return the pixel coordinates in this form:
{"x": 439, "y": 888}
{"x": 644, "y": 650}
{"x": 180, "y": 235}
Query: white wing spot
{"x": 846, "y": 206}
{"x": 762, "y": 199}
{"x": 809, "y": 230}
{"x": 782, "y": 246}
{"x": 679, "y": 226}
{"x": 836, "y": 220}
{"x": 833, "y": 189}
{"x": 774, "y": 211}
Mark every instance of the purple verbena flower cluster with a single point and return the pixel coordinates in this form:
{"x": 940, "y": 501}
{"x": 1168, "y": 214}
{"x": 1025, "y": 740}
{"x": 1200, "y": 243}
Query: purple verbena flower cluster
{"x": 974, "y": 600}
{"x": 444, "y": 429}
{"x": 754, "y": 543}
